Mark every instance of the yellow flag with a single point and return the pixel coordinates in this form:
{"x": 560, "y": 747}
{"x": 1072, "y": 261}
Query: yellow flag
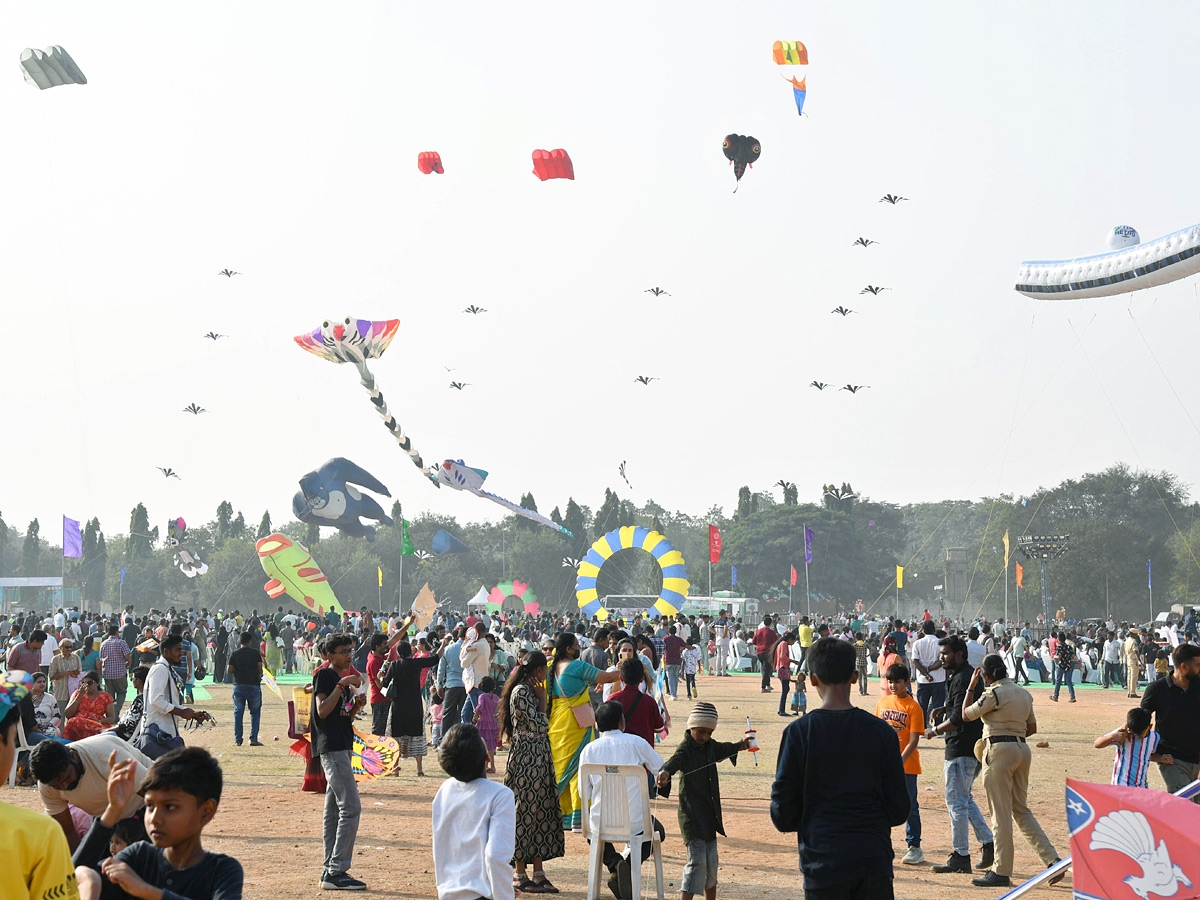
{"x": 899, "y": 577}
{"x": 380, "y": 568}
{"x": 1006, "y": 550}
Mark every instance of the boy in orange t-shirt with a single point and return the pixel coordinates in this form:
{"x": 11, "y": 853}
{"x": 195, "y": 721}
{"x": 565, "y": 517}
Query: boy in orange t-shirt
{"x": 904, "y": 714}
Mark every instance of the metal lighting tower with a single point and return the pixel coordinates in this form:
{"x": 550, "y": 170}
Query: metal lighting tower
{"x": 1041, "y": 548}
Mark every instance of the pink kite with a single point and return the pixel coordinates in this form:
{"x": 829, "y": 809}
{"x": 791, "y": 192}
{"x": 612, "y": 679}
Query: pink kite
{"x": 552, "y": 164}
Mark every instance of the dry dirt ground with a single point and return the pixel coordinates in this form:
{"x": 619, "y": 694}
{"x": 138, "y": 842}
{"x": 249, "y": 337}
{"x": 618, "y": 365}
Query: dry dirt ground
{"x": 275, "y": 830}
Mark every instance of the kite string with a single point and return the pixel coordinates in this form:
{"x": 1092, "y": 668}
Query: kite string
{"x": 1163, "y": 371}
{"x": 235, "y": 580}
{"x": 1133, "y": 447}
{"x": 888, "y": 587}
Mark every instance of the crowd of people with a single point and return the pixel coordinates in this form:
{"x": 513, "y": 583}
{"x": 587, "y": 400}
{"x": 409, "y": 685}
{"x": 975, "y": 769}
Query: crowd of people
{"x": 558, "y": 695}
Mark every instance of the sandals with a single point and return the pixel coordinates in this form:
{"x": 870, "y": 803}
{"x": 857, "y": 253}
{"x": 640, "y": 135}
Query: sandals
{"x": 544, "y": 886}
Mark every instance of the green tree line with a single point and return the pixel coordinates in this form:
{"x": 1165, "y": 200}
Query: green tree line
{"x": 1117, "y": 519}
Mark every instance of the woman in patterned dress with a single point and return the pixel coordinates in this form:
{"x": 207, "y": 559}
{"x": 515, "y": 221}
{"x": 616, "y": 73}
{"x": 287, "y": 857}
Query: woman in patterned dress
{"x": 530, "y": 773}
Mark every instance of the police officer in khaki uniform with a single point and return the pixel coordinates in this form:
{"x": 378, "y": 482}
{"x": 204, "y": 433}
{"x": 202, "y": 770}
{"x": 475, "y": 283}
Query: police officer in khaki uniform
{"x": 1007, "y": 712}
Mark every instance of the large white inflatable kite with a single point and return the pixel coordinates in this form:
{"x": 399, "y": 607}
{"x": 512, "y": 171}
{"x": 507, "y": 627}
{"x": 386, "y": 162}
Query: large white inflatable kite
{"x": 50, "y": 68}
{"x": 1128, "y": 266}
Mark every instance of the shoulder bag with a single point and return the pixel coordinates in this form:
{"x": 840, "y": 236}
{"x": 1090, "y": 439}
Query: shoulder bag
{"x": 585, "y": 716}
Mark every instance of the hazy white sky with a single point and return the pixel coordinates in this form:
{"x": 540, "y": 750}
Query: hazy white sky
{"x": 280, "y": 140}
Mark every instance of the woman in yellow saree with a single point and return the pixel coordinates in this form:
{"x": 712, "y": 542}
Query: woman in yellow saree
{"x": 572, "y": 722}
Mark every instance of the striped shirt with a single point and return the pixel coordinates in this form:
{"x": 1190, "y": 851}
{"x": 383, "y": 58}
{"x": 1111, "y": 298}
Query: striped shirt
{"x": 1133, "y": 759}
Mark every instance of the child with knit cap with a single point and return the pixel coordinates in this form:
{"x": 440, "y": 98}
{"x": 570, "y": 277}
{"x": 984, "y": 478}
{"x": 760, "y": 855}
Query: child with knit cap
{"x": 700, "y": 797}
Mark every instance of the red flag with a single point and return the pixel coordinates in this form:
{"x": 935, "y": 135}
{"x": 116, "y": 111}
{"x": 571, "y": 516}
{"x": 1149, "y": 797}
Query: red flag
{"x": 714, "y": 544}
{"x": 1130, "y": 842}
{"x": 793, "y": 574}
{"x": 1020, "y": 575}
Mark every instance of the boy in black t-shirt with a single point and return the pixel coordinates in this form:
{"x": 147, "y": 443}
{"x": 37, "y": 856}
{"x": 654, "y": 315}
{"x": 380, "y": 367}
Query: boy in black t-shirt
{"x": 337, "y": 698}
{"x": 840, "y": 785}
{"x": 182, "y": 791}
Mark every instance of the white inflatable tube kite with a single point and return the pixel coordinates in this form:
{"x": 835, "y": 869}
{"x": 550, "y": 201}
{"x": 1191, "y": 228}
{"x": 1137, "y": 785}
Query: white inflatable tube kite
{"x": 1147, "y": 265}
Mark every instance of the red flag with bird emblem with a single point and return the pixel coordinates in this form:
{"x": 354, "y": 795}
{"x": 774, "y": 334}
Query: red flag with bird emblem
{"x": 1128, "y": 843}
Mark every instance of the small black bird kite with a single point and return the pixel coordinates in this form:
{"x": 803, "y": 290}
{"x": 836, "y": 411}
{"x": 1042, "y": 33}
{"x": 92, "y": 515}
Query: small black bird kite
{"x": 864, "y": 242}
{"x": 644, "y": 379}
{"x": 194, "y": 409}
{"x": 168, "y": 473}
{"x": 213, "y": 336}
{"x": 621, "y": 469}
{"x": 570, "y": 563}
{"x": 842, "y": 493}
{"x": 854, "y": 388}
{"x": 656, "y": 291}
{"x": 819, "y": 385}
{"x": 786, "y": 485}
{"x": 459, "y": 385}
{"x": 891, "y": 198}
{"x": 873, "y": 289}
{"x": 228, "y": 273}
{"x": 474, "y": 310}
{"x": 841, "y": 311}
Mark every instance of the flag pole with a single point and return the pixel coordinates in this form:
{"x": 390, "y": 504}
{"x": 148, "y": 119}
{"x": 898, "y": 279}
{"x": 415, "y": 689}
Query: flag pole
{"x": 807, "y": 592}
{"x": 1150, "y": 587}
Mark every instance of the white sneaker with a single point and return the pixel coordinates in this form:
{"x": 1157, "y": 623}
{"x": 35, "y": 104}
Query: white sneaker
{"x": 914, "y": 857}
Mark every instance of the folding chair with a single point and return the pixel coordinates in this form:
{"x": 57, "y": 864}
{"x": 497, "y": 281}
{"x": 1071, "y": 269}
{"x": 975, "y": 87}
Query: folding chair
{"x": 22, "y": 746}
{"x": 615, "y": 826}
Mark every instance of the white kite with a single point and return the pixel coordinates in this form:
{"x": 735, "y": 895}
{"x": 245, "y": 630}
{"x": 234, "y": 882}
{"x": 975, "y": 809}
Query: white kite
{"x": 1129, "y": 265}
{"x": 49, "y": 68}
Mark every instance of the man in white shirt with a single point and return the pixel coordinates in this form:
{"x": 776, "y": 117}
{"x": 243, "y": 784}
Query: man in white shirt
{"x": 162, "y": 704}
{"x": 615, "y": 748}
{"x": 975, "y": 650}
{"x": 1111, "y": 661}
{"x": 1017, "y": 648}
{"x": 926, "y": 658}
{"x": 48, "y": 650}
{"x": 77, "y": 774}
{"x": 721, "y": 631}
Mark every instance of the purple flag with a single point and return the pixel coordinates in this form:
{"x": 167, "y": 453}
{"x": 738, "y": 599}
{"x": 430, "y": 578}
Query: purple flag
{"x": 808, "y": 536}
{"x": 72, "y": 539}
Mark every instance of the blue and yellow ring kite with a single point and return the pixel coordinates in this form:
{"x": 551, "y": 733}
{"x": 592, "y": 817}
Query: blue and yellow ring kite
{"x": 670, "y": 561}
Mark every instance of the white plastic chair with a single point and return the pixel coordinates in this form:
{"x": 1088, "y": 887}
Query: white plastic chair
{"x": 615, "y": 826}
{"x": 21, "y": 747}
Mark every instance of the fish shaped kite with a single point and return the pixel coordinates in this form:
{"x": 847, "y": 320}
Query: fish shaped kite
{"x": 454, "y": 473}
{"x": 351, "y": 340}
{"x": 292, "y": 571}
